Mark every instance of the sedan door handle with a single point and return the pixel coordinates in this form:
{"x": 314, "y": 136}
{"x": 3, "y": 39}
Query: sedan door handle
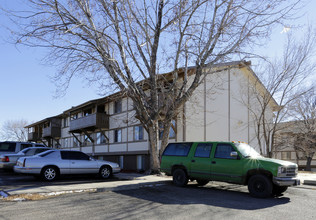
{"x": 213, "y": 162}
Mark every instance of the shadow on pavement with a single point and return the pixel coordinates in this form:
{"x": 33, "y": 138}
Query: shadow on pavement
{"x": 230, "y": 196}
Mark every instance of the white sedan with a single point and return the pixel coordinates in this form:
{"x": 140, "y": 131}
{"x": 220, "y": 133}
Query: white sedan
{"x": 52, "y": 163}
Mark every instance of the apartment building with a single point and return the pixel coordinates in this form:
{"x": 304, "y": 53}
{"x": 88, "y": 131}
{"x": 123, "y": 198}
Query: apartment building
{"x": 106, "y": 128}
{"x": 286, "y": 144}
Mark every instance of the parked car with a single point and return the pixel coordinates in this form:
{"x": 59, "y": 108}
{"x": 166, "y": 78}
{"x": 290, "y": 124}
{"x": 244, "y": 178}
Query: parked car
{"x": 7, "y": 161}
{"x": 11, "y": 147}
{"x": 232, "y": 162}
{"x": 52, "y": 163}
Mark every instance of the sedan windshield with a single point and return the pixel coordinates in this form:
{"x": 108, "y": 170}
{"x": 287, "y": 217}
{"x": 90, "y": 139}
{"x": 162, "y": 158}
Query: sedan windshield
{"x": 246, "y": 150}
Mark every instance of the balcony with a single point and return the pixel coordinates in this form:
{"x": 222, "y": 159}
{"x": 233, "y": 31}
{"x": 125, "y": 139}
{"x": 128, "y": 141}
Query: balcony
{"x": 90, "y": 123}
{"x": 52, "y": 132}
{"x": 34, "y": 136}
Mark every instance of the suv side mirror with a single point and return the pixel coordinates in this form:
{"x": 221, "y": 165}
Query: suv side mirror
{"x": 234, "y": 154}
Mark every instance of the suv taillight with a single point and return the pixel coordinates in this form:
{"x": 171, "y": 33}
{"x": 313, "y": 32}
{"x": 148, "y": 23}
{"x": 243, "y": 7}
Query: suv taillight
{"x": 5, "y": 159}
{"x": 24, "y": 162}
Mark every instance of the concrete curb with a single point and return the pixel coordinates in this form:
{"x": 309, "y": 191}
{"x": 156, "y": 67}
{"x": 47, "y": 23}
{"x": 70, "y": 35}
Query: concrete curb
{"x": 309, "y": 182}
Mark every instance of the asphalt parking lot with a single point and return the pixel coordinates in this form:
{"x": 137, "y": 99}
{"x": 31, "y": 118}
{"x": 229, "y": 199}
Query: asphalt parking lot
{"x": 16, "y": 184}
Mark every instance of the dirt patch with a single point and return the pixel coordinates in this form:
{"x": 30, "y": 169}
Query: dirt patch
{"x": 41, "y": 196}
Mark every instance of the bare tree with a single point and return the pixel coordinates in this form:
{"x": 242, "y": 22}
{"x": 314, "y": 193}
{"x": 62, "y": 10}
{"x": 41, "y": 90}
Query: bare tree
{"x": 285, "y": 80}
{"x": 304, "y": 111}
{"x": 128, "y": 43}
{"x": 13, "y": 130}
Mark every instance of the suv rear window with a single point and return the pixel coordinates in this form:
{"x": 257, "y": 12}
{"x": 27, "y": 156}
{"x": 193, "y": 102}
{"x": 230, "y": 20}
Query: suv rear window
{"x": 7, "y": 146}
{"x": 177, "y": 149}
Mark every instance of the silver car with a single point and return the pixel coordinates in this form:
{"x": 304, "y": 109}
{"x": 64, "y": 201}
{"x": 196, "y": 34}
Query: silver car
{"x": 50, "y": 164}
{"x": 7, "y": 161}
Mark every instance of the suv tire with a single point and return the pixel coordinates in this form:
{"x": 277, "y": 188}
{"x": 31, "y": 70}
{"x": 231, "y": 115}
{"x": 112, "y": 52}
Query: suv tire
{"x": 202, "y": 182}
{"x": 278, "y": 190}
{"x": 260, "y": 186}
{"x": 180, "y": 177}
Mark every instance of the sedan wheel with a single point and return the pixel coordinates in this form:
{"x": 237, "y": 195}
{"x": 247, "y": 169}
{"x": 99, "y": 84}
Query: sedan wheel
{"x": 105, "y": 172}
{"x": 49, "y": 173}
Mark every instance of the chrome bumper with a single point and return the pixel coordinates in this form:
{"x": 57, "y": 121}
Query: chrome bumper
{"x": 116, "y": 170}
{"x": 286, "y": 181}
{"x": 6, "y": 165}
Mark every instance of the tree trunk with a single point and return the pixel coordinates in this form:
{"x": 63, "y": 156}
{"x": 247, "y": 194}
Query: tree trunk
{"x": 308, "y": 163}
{"x": 165, "y": 136}
{"x": 153, "y": 132}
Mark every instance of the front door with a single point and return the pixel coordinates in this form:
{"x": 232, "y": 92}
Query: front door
{"x": 81, "y": 163}
{"x": 224, "y": 166}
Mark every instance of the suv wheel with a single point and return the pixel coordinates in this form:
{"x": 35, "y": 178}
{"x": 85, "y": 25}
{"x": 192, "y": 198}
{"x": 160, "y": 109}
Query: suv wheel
{"x": 180, "y": 177}
{"x": 202, "y": 182}
{"x": 278, "y": 190}
{"x": 260, "y": 186}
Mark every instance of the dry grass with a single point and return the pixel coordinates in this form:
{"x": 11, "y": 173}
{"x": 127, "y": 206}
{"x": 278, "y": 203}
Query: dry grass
{"x": 42, "y": 196}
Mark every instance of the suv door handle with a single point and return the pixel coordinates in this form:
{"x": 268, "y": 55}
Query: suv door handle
{"x": 213, "y": 162}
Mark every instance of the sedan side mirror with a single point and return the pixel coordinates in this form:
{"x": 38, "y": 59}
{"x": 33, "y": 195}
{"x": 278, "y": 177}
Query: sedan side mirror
{"x": 91, "y": 158}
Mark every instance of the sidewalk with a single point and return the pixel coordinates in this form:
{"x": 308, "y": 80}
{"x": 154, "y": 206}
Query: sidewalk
{"x": 125, "y": 181}
{"x": 307, "y": 178}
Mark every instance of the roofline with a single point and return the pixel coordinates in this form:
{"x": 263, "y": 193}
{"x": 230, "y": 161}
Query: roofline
{"x": 191, "y": 69}
{"x": 43, "y": 120}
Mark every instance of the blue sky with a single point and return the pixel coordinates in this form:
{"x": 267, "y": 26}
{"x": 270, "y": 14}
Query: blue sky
{"x": 26, "y": 91}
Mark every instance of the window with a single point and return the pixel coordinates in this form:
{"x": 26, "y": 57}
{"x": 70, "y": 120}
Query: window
{"x": 23, "y": 146}
{"x": 101, "y": 138}
{"x": 177, "y": 149}
{"x": 74, "y": 155}
{"x": 118, "y": 106}
{"x": 66, "y": 122}
{"x": 203, "y": 150}
{"x": 118, "y": 135}
{"x": 44, "y": 154}
{"x": 87, "y": 112}
{"x": 87, "y": 140}
{"x": 223, "y": 151}
{"x": 76, "y": 142}
{"x": 74, "y": 116}
{"x": 40, "y": 150}
{"x": 30, "y": 152}
{"x": 172, "y": 133}
{"x": 7, "y": 147}
{"x": 285, "y": 155}
{"x": 138, "y": 133}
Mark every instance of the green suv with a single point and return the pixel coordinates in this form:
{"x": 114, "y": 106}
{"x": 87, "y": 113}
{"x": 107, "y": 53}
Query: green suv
{"x": 232, "y": 162}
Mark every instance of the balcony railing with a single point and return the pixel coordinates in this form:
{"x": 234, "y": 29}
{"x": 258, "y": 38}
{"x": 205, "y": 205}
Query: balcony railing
{"x": 90, "y": 123}
{"x": 52, "y": 132}
{"x": 34, "y": 136}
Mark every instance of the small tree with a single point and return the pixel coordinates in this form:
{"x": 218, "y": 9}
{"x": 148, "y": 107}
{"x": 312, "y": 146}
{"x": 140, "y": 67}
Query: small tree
{"x": 304, "y": 110}
{"x": 130, "y": 42}
{"x": 14, "y": 130}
